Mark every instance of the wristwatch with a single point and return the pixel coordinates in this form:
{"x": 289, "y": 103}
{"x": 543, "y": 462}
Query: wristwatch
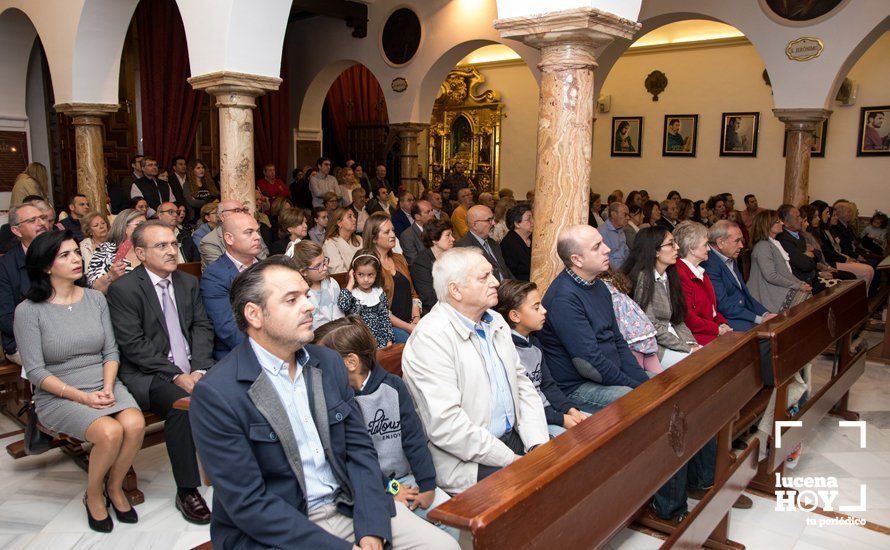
{"x": 393, "y": 487}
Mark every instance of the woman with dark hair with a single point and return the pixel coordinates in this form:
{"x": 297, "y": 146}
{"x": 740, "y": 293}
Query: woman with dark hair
{"x": 700, "y": 213}
{"x": 634, "y": 198}
{"x": 827, "y": 270}
{"x": 651, "y": 214}
{"x": 674, "y": 195}
{"x": 717, "y": 208}
{"x": 437, "y": 238}
{"x": 517, "y": 244}
{"x": 686, "y": 210}
{"x": 199, "y": 188}
{"x": 140, "y": 204}
{"x": 652, "y": 270}
{"x": 594, "y": 218}
{"x": 69, "y": 354}
{"x": 771, "y": 281}
{"x": 831, "y": 247}
{"x": 634, "y": 223}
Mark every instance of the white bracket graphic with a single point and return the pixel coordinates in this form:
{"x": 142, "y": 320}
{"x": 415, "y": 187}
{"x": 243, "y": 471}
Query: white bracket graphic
{"x": 855, "y": 424}
{"x": 785, "y": 424}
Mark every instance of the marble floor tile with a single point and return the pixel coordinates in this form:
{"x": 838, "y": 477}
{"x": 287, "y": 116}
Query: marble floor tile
{"x": 628, "y": 539}
{"x": 846, "y": 537}
{"x": 863, "y": 465}
{"x": 18, "y": 515}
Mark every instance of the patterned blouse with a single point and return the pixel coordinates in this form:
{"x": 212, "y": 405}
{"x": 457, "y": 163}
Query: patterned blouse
{"x": 101, "y": 262}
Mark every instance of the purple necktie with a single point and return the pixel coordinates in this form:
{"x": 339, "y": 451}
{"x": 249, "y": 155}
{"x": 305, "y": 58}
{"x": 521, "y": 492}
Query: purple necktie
{"x": 174, "y": 330}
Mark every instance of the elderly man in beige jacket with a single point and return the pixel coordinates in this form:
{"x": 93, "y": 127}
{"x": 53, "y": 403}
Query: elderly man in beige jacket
{"x": 479, "y": 409}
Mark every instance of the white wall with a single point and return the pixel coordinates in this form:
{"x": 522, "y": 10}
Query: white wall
{"x": 38, "y": 142}
{"x": 709, "y": 82}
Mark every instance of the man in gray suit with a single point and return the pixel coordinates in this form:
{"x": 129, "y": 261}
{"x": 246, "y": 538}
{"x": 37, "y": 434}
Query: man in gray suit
{"x": 480, "y": 220}
{"x": 411, "y": 239}
{"x": 213, "y": 245}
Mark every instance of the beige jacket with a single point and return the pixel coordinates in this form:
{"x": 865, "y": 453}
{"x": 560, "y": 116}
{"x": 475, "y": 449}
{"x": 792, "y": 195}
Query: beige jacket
{"x": 24, "y": 186}
{"x": 445, "y": 372}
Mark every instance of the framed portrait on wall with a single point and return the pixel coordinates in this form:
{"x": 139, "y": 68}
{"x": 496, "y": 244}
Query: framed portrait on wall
{"x": 874, "y": 132}
{"x": 738, "y": 134}
{"x": 680, "y": 136}
{"x": 818, "y": 148}
{"x": 627, "y": 136}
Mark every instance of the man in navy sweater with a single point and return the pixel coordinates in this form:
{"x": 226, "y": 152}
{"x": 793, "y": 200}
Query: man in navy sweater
{"x": 582, "y": 344}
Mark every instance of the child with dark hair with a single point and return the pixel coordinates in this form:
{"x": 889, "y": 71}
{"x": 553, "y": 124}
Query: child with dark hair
{"x": 390, "y": 418}
{"x": 364, "y": 296}
{"x": 876, "y": 231}
{"x": 519, "y": 303}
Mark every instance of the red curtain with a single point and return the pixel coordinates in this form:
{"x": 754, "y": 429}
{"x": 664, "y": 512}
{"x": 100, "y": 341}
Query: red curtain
{"x": 354, "y": 97}
{"x": 271, "y": 124}
{"x": 170, "y": 107}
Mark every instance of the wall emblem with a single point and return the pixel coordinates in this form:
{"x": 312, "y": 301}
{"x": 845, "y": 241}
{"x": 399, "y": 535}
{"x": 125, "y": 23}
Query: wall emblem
{"x": 804, "y": 48}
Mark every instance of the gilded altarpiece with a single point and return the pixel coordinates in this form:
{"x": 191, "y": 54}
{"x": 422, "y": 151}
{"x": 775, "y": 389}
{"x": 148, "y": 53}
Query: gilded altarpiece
{"x": 466, "y": 127}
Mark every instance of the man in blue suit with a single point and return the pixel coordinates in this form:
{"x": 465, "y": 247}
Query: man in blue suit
{"x": 243, "y": 242}
{"x": 734, "y": 302}
{"x": 401, "y": 218}
{"x": 26, "y": 221}
{"x": 280, "y": 434}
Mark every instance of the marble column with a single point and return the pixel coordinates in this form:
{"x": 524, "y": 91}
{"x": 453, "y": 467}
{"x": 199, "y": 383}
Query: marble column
{"x": 236, "y": 95}
{"x": 408, "y": 132}
{"x": 568, "y": 41}
{"x": 801, "y": 125}
{"x": 88, "y": 146}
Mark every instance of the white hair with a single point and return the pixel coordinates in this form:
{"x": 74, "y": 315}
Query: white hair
{"x": 453, "y": 267}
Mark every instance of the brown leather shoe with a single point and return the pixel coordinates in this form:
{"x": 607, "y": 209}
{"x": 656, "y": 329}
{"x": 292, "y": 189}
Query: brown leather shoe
{"x": 193, "y": 507}
{"x": 743, "y": 503}
{"x": 697, "y": 494}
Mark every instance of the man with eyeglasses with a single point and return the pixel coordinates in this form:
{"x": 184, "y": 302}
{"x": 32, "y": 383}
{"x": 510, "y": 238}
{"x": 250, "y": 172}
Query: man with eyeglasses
{"x": 165, "y": 342}
{"x": 480, "y": 220}
{"x": 168, "y": 213}
{"x": 613, "y": 233}
{"x": 213, "y": 244}
{"x": 322, "y": 182}
{"x": 241, "y": 233}
{"x": 26, "y": 222}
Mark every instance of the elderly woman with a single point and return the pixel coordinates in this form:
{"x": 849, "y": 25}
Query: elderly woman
{"x": 437, "y": 239}
{"x": 516, "y": 246}
{"x": 651, "y": 268}
{"x": 95, "y": 232}
{"x": 771, "y": 282}
{"x": 477, "y": 406}
{"x": 702, "y": 317}
{"x": 341, "y": 243}
{"x": 69, "y": 353}
{"x": 106, "y": 266}
{"x": 404, "y": 304}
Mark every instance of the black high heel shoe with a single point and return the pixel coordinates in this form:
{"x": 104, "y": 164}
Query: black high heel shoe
{"x": 130, "y": 516}
{"x": 99, "y": 525}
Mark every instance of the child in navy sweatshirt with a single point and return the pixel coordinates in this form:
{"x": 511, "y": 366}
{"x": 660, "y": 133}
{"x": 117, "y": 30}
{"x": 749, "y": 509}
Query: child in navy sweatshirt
{"x": 390, "y": 418}
{"x": 519, "y": 303}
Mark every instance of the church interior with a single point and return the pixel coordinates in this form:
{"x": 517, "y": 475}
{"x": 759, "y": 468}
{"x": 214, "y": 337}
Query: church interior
{"x": 571, "y": 113}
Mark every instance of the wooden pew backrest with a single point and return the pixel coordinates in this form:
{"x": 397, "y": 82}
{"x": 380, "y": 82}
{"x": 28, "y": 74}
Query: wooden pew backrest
{"x": 582, "y": 487}
{"x": 391, "y": 358}
{"x": 192, "y": 268}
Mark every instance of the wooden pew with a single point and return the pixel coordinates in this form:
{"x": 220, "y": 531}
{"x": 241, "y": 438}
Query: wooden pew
{"x": 341, "y": 278}
{"x": 583, "y": 487}
{"x": 192, "y": 268}
{"x": 799, "y": 336}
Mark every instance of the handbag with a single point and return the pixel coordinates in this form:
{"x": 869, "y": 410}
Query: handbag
{"x": 36, "y": 442}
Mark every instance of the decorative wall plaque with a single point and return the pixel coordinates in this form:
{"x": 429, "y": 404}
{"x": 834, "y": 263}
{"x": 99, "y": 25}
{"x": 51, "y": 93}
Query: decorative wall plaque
{"x": 655, "y": 83}
{"x": 804, "y": 48}
{"x": 399, "y": 84}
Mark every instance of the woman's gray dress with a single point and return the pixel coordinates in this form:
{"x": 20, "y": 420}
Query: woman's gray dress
{"x": 72, "y": 345}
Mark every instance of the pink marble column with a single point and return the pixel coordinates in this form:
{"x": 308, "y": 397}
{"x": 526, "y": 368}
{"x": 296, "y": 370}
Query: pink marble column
{"x": 568, "y": 41}
{"x": 89, "y": 151}
{"x": 801, "y": 125}
{"x": 236, "y": 95}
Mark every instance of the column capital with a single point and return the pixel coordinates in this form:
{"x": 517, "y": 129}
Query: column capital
{"x": 587, "y": 26}
{"x": 409, "y": 127}
{"x": 86, "y": 113}
{"x": 235, "y": 89}
{"x": 805, "y": 119}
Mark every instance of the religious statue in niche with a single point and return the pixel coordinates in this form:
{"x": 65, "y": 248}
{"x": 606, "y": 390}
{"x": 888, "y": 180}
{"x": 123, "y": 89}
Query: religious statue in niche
{"x": 465, "y": 129}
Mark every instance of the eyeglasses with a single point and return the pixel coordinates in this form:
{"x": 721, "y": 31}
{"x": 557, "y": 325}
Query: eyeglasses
{"x": 672, "y": 244}
{"x": 168, "y": 211}
{"x": 33, "y": 220}
{"x": 160, "y": 247}
{"x": 324, "y": 264}
{"x": 486, "y": 220}
{"x": 244, "y": 210}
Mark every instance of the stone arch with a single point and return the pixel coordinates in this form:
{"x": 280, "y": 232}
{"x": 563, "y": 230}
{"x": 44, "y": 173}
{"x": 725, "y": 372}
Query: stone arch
{"x": 17, "y": 36}
{"x": 313, "y": 100}
{"x": 435, "y": 75}
{"x": 856, "y": 53}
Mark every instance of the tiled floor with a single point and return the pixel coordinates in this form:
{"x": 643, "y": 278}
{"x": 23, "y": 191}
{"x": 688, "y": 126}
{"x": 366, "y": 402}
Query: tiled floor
{"x": 40, "y": 497}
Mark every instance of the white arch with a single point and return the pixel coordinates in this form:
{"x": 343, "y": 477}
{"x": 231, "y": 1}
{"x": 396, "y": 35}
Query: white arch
{"x": 17, "y": 35}
{"x": 314, "y": 96}
{"x": 96, "y": 58}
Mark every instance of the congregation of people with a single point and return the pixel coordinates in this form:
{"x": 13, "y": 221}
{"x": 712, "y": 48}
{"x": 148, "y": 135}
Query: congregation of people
{"x": 307, "y": 439}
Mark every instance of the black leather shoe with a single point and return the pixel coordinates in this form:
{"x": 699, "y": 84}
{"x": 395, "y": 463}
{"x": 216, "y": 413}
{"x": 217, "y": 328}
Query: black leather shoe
{"x": 99, "y": 525}
{"x": 130, "y": 516}
{"x": 193, "y": 507}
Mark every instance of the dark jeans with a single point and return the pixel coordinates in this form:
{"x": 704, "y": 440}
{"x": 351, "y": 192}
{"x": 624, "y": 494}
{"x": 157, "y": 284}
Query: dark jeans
{"x": 177, "y": 432}
{"x": 766, "y": 362}
{"x": 698, "y": 473}
{"x": 511, "y": 440}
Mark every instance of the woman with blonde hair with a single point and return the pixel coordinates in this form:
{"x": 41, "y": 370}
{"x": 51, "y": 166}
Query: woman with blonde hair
{"x": 347, "y": 183}
{"x": 500, "y": 228}
{"x": 95, "y": 228}
{"x": 340, "y": 242}
{"x": 199, "y": 188}
{"x": 33, "y": 181}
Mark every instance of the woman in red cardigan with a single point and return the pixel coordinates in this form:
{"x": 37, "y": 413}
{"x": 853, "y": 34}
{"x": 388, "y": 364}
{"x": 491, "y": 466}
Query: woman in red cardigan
{"x": 702, "y": 316}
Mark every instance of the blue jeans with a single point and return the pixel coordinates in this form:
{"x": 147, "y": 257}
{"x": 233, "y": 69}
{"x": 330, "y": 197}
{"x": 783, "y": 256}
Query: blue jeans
{"x": 554, "y": 430}
{"x": 592, "y": 397}
{"x": 698, "y": 473}
{"x": 441, "y": 496}
{"x": 400, "y": 336}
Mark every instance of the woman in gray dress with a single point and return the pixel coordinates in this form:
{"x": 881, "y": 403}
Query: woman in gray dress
{"x": 70, "y": 356}
{"x": 771, "y": 281}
